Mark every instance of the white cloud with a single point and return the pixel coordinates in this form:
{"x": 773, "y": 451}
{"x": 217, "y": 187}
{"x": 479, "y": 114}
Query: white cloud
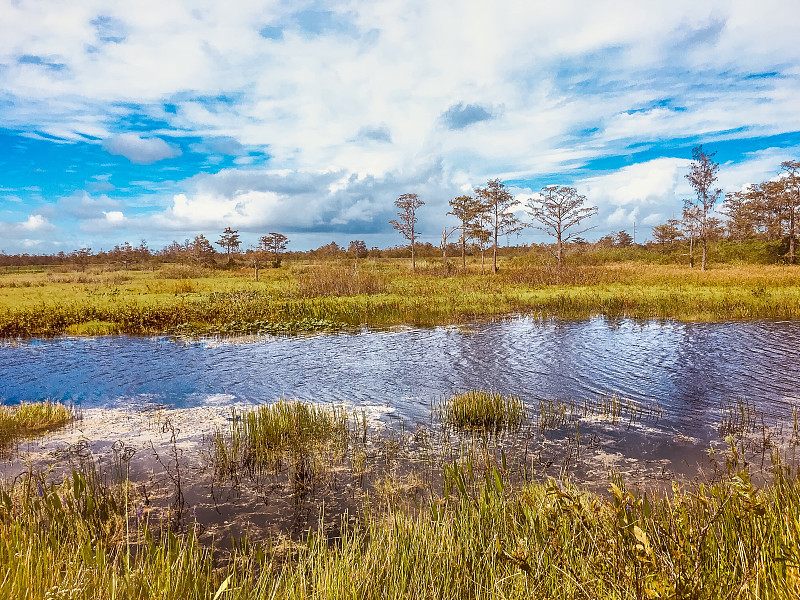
{"x": 139, "y": 150}
{"x": 114, "y": 217}
{"x": 20, "y": 231}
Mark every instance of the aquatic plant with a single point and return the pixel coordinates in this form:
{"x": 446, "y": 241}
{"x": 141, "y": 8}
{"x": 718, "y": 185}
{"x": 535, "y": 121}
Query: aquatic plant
{"x": 296, "y": 435}
{"x": 478, "y": 409}
{"x": 32, "y": 418}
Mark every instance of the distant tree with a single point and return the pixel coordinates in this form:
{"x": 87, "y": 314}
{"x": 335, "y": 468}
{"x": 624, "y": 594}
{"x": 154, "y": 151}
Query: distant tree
{"x": 496, "y": 202}
{"x": 201, "y": 250}
{"x": 230, "y": 241}
{"x": 690, "y": 227}
{"x": 667, "y": 233}
{"x": 358, "y": 249}
{"x": 274, "y": 243}
{"x": 467, "y": 210}
{"x": 744, "y": 210}
{"x": 328, "y": 250}
{"x": 407, "y": 222}
{"x": 81, "y": 257}
{"x": 791, "y": 195}
{"x": 623, "y": 239}
{"x": 124, "y": 254}
{"x": 702, "y": 175}
{"x": 558, "y": 209}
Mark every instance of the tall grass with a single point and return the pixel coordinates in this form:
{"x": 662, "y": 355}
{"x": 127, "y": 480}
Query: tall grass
{"x": 489, "y": 411}
{"x": 32, "y": 418}
{"x": 483, "y": 540}
{"x": 297, "y": 436}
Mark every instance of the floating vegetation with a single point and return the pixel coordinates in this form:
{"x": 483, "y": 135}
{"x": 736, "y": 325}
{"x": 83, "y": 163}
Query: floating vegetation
{"x": 489, "y": 411}
{"x": 32, "y": 418}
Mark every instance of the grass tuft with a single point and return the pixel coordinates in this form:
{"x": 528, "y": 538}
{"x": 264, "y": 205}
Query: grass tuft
{"x": 32, "y": 418}
{"x": 477, "y": 409}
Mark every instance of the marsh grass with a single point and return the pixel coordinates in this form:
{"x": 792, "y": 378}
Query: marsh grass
{"x": 32, "y": 418}
{"x": 340, "y": 279}
{"x": 483, "y": 539}
{"x": 293, "y": 436}
{"x": 478, "y": 409}
{"x": 311, "y": 297}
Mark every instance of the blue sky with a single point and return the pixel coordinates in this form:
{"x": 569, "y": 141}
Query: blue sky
{"x": 157, "y": 122}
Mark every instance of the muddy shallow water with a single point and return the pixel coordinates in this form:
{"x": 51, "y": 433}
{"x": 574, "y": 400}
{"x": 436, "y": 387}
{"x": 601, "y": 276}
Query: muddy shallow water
{"x": 677, "y": 385}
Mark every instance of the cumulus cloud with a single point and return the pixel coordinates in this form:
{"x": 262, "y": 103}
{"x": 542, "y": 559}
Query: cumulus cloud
{"x": 139, "y": 150}
{"x": 34, "y": 224}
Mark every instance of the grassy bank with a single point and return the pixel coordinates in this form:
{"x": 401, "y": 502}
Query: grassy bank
{"x": 332, "y": 296}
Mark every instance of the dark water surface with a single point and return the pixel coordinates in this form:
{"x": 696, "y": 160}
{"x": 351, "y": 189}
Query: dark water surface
{"x": 687, "y": 368}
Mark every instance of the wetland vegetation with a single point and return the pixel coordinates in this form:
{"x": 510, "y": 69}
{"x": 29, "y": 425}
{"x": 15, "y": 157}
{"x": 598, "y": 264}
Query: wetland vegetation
{"x": 342, "y": 294}
{"x": 441, "y": 514}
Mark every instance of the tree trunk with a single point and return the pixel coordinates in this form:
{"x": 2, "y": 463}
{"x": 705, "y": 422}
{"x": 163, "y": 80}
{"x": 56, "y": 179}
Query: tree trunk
{"x": 558, "y": 251}
{"x": 791, "y": 236}
{"x": 255, "y": 267}
{"x": 444, "y": 249}
{"x": 703, "y": 263}
{"x": 691, "y": 252}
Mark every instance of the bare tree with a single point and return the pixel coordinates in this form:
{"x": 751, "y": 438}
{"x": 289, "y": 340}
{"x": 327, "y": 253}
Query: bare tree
{"x": 496, "y": 201}
{"x": 466, "y": 209}
{"x": 407, "y": 223}
{"x": 558, "y": 209}
{"x": 690, "y": 227}
{"x": 702, "y": 175}
{"x": 274, "y": 243}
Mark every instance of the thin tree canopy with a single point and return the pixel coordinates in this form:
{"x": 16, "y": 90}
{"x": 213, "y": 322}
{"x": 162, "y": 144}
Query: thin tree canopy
{"x": 557, "y": 210}
{"x": 407, "y": 220}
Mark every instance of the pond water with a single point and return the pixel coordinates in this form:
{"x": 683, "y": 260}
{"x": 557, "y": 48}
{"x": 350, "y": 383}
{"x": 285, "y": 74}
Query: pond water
{"x": 688, "y": 369}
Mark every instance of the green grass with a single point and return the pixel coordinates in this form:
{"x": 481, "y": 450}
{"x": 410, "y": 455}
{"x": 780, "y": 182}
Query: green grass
{"x": 32, "y": 418}
{"x": 488, "y": 411}
{"x": 286, "y": 435}
{"x": 484, "y": 540}
{"x": 334, "y": 296}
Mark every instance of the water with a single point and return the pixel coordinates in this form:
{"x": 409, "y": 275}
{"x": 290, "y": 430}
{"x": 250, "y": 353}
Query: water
{"x": 687, "y": 368}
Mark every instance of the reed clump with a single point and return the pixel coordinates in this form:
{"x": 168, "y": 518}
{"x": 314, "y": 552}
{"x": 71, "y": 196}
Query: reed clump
{"x": 32, "y": 418}
{"x": 339, "y": 280}
{"x": 478, "y": 409}
{"x": 285, "y": 435}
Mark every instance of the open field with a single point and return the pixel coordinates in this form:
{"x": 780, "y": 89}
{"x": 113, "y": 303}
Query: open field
{"x": 379, "y": 293}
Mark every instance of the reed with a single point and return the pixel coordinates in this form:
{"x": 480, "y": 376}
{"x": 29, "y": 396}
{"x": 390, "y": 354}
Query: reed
{"x": 32, "y": 418}
{"x": 291, "y": 435}
{"x": 488, "y": 411}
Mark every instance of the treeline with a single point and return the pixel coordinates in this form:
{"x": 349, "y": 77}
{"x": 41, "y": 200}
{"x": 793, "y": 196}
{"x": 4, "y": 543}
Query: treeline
{"x": 765, "y": 212}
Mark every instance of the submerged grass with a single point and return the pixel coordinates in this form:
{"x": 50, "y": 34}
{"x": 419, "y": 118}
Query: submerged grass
{"x": 32, "y": 418}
